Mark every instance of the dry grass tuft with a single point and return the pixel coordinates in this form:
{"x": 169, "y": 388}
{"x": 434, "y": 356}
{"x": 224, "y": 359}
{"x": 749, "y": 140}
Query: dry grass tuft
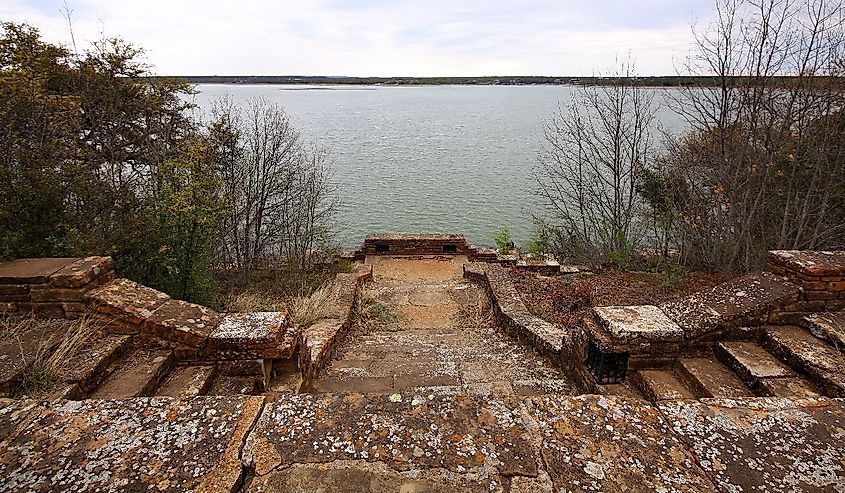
{"x": 372, "y": 315}
{"x": 305, "y": 310}
{"x": 49, "y": 363}
{"x": 475, "y": 313}
{"x": 250, "y": 301}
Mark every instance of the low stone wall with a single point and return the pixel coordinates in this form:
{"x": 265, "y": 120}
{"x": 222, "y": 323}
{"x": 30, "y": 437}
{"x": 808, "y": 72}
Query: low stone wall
{"x": 53, "y": 287}
{"x": 559, "y": 343}
{"x": 416, "y": 244}
{"x": 819, "y": 275}
{"x": 319, "y": 341}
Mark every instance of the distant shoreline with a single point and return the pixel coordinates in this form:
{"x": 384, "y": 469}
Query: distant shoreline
{"x": 661, "y": 81}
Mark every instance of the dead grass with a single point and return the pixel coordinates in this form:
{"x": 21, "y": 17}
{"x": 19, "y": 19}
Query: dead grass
{"x": 305, "y": 310}
{"x": 373, "y": 315}
{"x": 475, "y": 313}
{"x": 49, "y": 362}
{"x": 253, "y": 301}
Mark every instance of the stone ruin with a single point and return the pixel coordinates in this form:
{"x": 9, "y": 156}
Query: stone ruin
{"x": 734, "y": 388}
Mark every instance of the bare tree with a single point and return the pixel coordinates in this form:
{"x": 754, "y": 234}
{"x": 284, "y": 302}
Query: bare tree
{"x": 595, "y": 149}
{"x": 280, "y": 196}
{"x": 760, "y": 171}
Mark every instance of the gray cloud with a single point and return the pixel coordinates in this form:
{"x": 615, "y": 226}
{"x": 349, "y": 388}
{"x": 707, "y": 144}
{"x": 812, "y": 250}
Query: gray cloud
{"x": 380, "y": 37}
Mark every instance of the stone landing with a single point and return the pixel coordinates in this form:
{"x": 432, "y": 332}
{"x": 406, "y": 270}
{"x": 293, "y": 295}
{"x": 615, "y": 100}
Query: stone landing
{"x": 444, "y": 342}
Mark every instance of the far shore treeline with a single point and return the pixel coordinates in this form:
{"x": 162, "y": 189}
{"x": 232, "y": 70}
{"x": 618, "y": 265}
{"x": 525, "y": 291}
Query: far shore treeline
{"x": 644, "y": 81}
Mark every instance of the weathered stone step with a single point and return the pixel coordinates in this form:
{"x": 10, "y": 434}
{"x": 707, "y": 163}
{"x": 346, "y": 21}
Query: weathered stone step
{"x": 790, "y": 387}
{"x": 137, "y": 375}
{"x": 88, "y": 367}
{"x": 751, "y": 362}
{"x": 224, "y": 385}
{"x": 708, "y": 378}
{"x": 829, "y": 326}
{"x": 187, "y": 381}
{"x": 18, "y": 350}
{"x": 820, "y": 361}
{"x": 660, "y": 385}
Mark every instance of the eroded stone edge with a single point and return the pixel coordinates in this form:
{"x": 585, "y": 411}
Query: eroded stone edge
{"x": 223, "y": 476}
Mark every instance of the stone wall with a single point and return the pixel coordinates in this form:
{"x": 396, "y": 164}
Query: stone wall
{"x": 819, "y": 275}
{"x": 561, "y": 344}
{"x": 426, "y": 244}
{"x": 53, "y": 287}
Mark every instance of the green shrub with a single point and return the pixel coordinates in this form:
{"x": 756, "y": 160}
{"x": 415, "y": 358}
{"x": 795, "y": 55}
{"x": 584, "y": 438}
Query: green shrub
{"x": 503, "y": 241}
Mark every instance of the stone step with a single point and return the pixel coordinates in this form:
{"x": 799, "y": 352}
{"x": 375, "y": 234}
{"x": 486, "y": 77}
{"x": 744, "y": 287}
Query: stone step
{"x": 708, "y": 378}
{"x": 225, "y": 385}
{"x": 660, "y": 385}
{"x": 136, "y": 375}
{"x": 790, "y": 387}
{"x": 187, "y": 381}
{"x": 822, "y": 363}
{"x": 829, "y": 326}
{"x": 751, "y": 362}
{"x": 89, "y": 367}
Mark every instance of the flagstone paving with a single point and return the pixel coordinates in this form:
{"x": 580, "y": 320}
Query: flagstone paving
{"x": 442, "y": 342}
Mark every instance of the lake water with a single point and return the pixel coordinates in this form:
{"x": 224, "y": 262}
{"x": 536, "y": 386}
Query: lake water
{"x": 441, "y": 159}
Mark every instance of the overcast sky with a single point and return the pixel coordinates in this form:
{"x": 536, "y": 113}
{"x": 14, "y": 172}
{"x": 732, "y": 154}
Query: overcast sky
{"x": 380, "y": 37}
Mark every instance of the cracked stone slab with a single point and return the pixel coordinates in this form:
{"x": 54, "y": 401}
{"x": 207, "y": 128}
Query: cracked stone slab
{"x": 253, "y": 335}
{"x": 604, "y": 443}
{"x": 31, "y": 270}
{"x": 645, "y": 322}
{"x": 750, "y": 361}
{"x": 406, "y": 431}
{"x": 765, "y": 444}
{"x": 158, "y": 444}
{"x": 818, "y": 359}
{"x": 182, "y": 322}
{"x": 126, "y": 300}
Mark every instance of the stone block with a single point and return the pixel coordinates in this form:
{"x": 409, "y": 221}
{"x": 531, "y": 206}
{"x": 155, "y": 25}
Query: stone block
{"x": 829, "y": 326}
{"x": 256, "y": 334}
{"x": 733, "y": 303}
{"x": 764, "y": 444}
{"x": 81, "y": 272}
{"x": 126, "y": 300}
{"x": 604, "y": 443}
{"x": 631, "y": 323}
{"x": 31, "y": 270}
{"x": 456, "y": 433}
{"x": 182, "y": 322}
{"x": 145, "y": 444}
{"x": 51, "y": 310}
{"x": 49, "y": 294}
{"x": 318, "y": 340}
{"x": 14, "y": 292}
{"x": 810, "y": 263}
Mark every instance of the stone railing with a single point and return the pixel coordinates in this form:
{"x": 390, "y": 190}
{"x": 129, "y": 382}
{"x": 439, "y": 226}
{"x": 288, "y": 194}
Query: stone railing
{"x": 554, "y": 341}
{"x": 319, "y": 341}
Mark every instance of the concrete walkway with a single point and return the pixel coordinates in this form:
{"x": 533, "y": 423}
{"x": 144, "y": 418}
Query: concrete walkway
{"x": 443, "y": 342}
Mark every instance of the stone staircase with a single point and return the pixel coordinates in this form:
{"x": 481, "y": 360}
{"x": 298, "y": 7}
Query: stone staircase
{"x": 775, "y": 361}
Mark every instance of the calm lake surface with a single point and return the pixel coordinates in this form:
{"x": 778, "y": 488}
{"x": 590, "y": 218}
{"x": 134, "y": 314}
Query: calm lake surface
{"x": 440, "y": 159}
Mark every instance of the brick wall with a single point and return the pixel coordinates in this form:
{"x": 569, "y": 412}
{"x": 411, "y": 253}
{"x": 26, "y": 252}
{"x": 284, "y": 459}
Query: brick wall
{"x": 819, "y": 275}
